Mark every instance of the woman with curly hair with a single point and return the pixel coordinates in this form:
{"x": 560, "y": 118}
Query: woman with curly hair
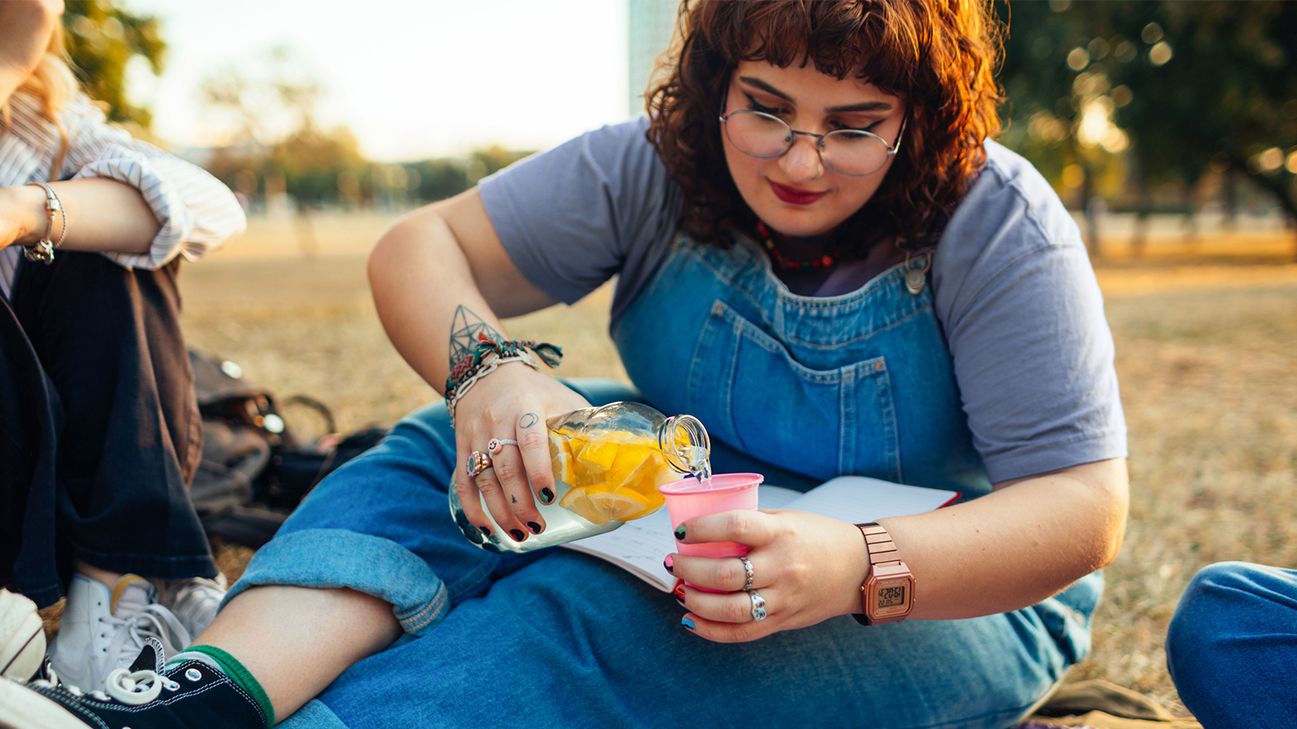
{"x": 820, "y": 253}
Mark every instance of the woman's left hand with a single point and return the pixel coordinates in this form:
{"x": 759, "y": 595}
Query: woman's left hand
{"x": 806, "y": 567}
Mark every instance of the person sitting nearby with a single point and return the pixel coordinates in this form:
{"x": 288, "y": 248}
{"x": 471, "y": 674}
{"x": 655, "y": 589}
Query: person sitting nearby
{"x": 99, "y": 425}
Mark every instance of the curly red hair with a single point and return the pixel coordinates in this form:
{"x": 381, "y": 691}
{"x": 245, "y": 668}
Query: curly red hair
{"x": 939, "y": 56}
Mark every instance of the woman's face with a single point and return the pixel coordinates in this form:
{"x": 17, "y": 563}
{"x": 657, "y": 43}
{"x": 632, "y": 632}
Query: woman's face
{"x": 795, "y": 194}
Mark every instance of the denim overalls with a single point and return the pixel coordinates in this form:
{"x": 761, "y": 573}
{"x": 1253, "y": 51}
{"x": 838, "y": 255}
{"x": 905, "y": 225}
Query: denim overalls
{"x": 798, "y": 388}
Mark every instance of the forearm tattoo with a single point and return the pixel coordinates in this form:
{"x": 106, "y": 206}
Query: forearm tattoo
{"x": 464, "y": 328}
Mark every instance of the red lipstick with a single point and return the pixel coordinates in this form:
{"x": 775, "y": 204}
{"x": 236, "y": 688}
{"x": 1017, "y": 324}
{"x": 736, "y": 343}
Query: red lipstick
{"x": 794, "y": 196}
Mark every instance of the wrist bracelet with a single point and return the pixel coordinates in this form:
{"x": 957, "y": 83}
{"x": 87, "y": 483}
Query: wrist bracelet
{"x": 489, "y": 365}
{"x": 43, "y": 250}
{"x": 487, "y": 355}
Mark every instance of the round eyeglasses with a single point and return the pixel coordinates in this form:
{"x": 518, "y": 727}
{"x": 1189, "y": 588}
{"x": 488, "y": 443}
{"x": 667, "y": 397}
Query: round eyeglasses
{"x": 852, "y": 152}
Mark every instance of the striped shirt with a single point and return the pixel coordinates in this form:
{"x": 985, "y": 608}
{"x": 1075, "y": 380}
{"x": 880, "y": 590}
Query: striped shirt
{"x": 196, "y": 211}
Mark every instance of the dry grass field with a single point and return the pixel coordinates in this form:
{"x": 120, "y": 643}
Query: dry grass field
{"x": 1206, "y": 351}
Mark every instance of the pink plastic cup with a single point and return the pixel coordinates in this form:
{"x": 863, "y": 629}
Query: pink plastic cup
{"x": 689, "y": 498}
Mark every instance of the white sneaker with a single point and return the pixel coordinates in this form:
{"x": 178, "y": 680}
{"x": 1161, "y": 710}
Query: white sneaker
{"x": 22, "y": 637}
{"x": 193, "y": 600}
{"x": 102, "y": 630}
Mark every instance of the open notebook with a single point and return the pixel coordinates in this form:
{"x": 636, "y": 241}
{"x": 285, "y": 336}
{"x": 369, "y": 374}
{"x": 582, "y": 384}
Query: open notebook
{"x": 639, "y": 546}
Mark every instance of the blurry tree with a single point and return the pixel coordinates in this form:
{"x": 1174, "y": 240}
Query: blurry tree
{"x": 312, "y": 161}
{"x": 489, "y": 160}
{"x": 439, "y": 179}
{"x": 1197, "y": 87}
{"x": 103, "y": 40}
{"x": 270, "y": 108}
{"x": 265, "y": 101}
{"x": 277, "y": 146}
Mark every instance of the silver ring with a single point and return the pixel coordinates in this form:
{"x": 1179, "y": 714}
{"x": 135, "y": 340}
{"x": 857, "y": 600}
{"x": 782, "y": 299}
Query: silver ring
{"x": 477, "y": 463}
{"x": 747, "y": 570}
{"x": 497, "y": 443}
{"x": 758, "y": 606}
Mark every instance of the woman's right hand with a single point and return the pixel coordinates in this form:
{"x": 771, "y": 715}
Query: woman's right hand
{"x": 512, "y": 402}
{"x": 25, "y": 28}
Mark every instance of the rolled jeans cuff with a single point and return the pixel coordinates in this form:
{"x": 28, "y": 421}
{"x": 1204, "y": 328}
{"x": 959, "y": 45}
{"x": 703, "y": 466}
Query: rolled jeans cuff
{"x": 339, "y": 558}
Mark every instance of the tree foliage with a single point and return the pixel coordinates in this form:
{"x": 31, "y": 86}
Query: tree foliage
{"x": 1195, "y": 87}
{"x": 103, "y": 40}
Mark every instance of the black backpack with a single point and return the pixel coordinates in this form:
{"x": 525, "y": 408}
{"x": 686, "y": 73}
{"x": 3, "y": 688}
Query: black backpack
{"x": 254, "y": 469}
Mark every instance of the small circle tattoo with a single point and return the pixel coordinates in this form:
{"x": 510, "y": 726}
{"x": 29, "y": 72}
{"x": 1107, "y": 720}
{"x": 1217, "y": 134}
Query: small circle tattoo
{"x": 528, "y": 420}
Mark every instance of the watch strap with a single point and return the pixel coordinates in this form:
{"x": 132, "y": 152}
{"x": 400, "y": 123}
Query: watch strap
{"x": 880, "y": 549}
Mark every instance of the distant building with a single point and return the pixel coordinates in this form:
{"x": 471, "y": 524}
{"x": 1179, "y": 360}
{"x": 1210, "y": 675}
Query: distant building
{"x": 650, "y": 23}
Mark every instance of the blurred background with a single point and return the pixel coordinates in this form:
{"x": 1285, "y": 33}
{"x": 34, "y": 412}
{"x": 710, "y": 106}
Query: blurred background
{"x": 1169, "y": 128}
{"x": 1134, "y": 111}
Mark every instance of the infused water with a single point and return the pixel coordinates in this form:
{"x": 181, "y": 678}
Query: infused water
{"x": 608, "y": 463}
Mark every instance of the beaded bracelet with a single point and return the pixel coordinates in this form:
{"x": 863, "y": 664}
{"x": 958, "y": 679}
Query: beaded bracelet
{"x": 43, "y": 251}
{"x": 489, "y": 365}
{"x": 487, "y": 355}
{"x": 550, "y": 354}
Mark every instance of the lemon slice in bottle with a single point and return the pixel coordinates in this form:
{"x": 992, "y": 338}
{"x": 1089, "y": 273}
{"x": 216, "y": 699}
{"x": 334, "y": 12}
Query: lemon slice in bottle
{"x": 622, "y": 504}
{"x": 561, "y": 461}
{"x": 578, "y": 502}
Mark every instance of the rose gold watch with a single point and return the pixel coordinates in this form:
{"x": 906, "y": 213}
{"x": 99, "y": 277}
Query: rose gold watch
{"x": 887, "y": 594}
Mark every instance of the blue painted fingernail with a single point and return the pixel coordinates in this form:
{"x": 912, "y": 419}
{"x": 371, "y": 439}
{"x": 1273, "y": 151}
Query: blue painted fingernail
{"x": 546, "y": 496}
{"x": 680, "y": 532}
{"x": 669, "y": 563}
{"x": 688, "y": 623}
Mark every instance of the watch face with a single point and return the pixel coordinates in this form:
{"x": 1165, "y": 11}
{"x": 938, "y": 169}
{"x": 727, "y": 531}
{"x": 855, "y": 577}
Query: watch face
{"x": 892, "y": 597}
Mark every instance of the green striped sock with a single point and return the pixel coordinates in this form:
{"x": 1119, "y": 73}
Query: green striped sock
{"x": 236, "y": 672}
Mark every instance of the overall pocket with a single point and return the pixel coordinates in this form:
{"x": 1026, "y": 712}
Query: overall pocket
{"x": 750, "y": 391}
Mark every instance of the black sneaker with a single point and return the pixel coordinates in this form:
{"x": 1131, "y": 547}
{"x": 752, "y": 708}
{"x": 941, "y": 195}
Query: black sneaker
{"x": 188, "y": 695}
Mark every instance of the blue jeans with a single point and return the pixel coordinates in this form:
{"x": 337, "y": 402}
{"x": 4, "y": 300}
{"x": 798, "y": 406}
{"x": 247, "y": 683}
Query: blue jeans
{"x": 558, "y": 638}
{"x": 860, "y": 383}
{"x": 1232, "y": 646}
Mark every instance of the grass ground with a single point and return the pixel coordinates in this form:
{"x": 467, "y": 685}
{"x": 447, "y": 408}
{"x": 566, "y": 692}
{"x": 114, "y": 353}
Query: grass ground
{"x": 1205, "y": 351}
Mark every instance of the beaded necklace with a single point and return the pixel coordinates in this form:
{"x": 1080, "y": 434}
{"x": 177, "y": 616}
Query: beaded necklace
{"x": 783, "y": 261}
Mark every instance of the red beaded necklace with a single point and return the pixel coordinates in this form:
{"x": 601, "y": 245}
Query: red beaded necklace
{"x": 782, "y": 260}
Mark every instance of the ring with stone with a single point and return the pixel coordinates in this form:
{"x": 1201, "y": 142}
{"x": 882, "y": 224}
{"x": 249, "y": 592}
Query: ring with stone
{"x": 477, "y": 463}
{"x": 748, "y": 573}
{"x": 497, "y": 443}
{"x": 758, "y": 606}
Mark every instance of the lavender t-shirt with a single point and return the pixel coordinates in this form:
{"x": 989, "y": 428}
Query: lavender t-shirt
{"x": 1013, "y": 287}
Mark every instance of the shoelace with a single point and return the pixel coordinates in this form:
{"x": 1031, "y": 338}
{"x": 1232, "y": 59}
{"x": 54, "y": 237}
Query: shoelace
{"x": 151, "y": 621}
{"x": 133, "y": 688}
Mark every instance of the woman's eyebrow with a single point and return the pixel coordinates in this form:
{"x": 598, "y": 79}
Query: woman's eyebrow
{"x": 862, "y": 106}
{"x": 766, "y": 87}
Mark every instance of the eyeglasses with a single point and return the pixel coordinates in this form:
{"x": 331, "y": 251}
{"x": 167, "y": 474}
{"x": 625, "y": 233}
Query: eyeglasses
{"x": 853, "y": 152}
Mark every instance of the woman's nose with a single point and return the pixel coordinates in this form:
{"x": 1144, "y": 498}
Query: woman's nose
{"x": 802, "y": 160}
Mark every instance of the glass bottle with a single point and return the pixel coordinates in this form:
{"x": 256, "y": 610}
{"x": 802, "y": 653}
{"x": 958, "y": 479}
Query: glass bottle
{"x": 608, "y": 462}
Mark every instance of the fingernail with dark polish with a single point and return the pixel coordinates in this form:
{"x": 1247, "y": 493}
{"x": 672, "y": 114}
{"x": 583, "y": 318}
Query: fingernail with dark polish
{"x": 688, "y": 623}
{"x": 680, "y": 532}
{"x": 546, "y": 496}
{"x": 669, "y": 563}
{"x": 486, "y": 531}
{"x": 534, "y": 527}
{"x": 517, "y": 535}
